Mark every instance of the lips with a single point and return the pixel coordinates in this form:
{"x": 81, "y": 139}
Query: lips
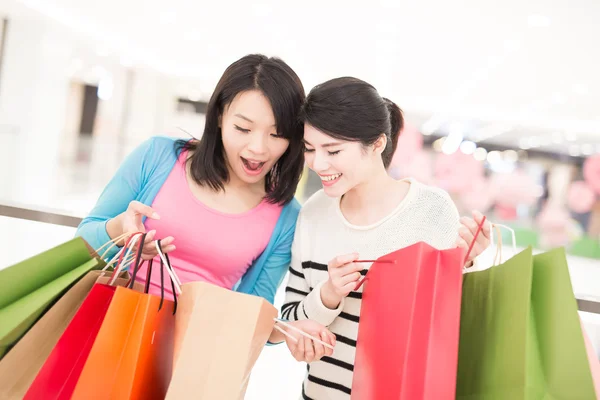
{"x": 329, "y": 178}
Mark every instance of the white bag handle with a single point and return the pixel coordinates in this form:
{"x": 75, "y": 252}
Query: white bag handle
{"x": 499, "y": 246}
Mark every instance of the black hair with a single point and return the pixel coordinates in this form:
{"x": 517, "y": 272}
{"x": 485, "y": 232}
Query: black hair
{"x": 284, "y": 90}
{"x": 350, "y": 109}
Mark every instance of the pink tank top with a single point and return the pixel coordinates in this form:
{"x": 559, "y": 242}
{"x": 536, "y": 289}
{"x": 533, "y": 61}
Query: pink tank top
{"x": 211, "y": 246}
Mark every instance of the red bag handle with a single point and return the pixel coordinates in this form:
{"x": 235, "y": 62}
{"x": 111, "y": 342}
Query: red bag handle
{"x": 477, "y": 232}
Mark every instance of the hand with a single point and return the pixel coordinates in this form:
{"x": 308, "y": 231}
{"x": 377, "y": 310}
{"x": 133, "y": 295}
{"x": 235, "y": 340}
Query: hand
{"x": 305, "y": 349}
{"x": 343, "y": 277}
{"x": 467, "y": 234}
{"x": 130, "y": 222}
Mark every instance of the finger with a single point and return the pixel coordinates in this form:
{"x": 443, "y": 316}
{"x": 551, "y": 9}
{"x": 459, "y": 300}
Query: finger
{"x": 352, "y": 278}
{"x": 143, "y": 209}
{"x": 300, "y": 349}
{"x": 309, "y": 350}
{"x": 351, "y": 268}
{"x": 318, "y": 348}
{"x": 327, "y": 339}
{"x": 166, "y": 241}
{"x": 470, "y": 224}
{"x": 343, "y": 260}
{"x": 460, "y": 242}
{"x": 150, "y": 236}
{"x": 348, "y": 288}
{"x": 332, "y": 338}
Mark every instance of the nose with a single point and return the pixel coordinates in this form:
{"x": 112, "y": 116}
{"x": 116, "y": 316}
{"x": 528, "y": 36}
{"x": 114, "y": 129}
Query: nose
{"x": 258, "y": 143}
{"x": 317, "y": 162}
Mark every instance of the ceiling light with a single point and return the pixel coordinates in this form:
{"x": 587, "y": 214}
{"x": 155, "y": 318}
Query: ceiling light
{"x": 574, "y": 150}
{"x": 468, "y": 147}
{"x": 511, "y": 156}
{"x": 587, "y": 149}
{"x": 480, "y": 154}
{"x": 538, "y": 21}
{"x": 494, "y": 157}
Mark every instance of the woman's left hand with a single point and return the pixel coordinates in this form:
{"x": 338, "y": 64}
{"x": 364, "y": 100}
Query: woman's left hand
{"x": 466, "y": 235}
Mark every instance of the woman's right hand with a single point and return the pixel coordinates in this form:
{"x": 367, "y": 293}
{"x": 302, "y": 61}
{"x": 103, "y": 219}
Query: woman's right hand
{"x": 344, "y": 275}
{"x": 130, "y": 222}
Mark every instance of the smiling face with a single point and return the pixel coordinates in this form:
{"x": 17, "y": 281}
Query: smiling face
{"x": 250, "y": 139}
{"x": 342, "y": 165}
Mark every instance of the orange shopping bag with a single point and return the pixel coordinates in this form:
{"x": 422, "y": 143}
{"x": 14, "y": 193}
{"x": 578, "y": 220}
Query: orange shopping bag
{"x": 132, "y": 357}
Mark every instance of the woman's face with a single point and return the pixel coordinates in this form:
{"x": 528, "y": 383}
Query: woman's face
{"x": 250, "y": 138}
{"x": 341, "y": 165}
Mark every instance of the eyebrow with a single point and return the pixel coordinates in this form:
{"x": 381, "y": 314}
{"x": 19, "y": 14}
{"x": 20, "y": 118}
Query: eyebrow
{"x": 247, "y": 119}
{"x": 326, "y": 144}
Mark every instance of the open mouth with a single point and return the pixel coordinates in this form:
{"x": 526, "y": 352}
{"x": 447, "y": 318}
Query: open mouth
{"x": 252, "y": 167}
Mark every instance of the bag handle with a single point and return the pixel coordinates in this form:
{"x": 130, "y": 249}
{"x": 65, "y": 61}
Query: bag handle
{"x": 300, "y": 331}
{"x": 498, "y": 256}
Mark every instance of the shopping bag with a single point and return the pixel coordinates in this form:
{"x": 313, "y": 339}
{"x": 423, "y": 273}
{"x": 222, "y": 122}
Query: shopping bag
{"x": 132, "y": 355}
{"x": 29, "y": 288}
{"x": 407, "y": 343}
{"x": 219, "y": 335}
{"x": 59, "y": 374}
{"x": 520, "y": 334}
{"x": 592, "y": 359}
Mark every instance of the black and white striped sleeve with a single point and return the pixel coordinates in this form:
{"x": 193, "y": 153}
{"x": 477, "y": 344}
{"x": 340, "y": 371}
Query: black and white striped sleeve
{"x": 301, "y": 300}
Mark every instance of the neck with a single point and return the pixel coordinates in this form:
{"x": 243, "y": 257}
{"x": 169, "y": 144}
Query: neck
{"x": 373, "y": 193}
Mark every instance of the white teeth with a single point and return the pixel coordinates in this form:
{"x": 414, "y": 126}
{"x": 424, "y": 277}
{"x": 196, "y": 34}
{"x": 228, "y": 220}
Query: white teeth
{"x": 330, "y": 177}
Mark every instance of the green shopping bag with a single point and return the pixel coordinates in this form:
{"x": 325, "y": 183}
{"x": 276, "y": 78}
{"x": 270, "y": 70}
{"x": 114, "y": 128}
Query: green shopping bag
{"x": 29, "y": 288}
{"x": 520, "y": 335}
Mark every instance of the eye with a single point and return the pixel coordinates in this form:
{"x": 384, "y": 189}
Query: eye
{"x": 333, "y": 153}
{"x": 307, "y": 150}
{"x": 242, "y": 129}
{"x": 278, "y": 136}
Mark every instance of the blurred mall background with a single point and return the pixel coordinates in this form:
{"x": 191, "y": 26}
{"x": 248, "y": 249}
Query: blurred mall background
{"x": 502, "y": 101}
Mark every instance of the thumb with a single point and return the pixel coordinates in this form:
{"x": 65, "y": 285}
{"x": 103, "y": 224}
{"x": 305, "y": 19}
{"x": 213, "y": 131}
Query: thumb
{"x": 140, "y": 208}
{"x": 344, "y": 259}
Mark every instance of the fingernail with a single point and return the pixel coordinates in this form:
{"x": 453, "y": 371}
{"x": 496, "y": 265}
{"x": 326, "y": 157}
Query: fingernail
{"x": 155, "y": 216}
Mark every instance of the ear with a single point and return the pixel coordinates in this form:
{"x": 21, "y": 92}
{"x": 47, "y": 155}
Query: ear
{"x": 380, "y": 144}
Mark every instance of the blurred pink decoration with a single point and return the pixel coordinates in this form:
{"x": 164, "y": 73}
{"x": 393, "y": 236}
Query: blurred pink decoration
{"x": 553, "y": 224}
{"x": 591, "y": 172}
{"x": 410, "y": 143}
{"x": 478, "y": 196}
{"x": 581, "y": 197}
{"x": 419, "y": 167}
{"x": 457, "y": 172}
{"x": 514, "y": 188}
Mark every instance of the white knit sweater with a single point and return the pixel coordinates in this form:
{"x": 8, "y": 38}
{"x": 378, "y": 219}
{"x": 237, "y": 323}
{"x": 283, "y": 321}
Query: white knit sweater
{"x": 426, "y": 214}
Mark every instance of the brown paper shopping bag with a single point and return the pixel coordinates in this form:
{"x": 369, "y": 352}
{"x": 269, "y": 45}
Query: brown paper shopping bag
{"x": 21, "y": 365}
{"x": 219, "y": 335}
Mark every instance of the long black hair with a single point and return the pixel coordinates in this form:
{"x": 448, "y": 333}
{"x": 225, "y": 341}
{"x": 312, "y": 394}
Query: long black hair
{"x": 351, "y": 109}
{"x": 280, "y": 84}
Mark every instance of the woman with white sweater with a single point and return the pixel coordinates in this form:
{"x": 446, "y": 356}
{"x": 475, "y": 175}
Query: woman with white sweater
{"x": 350, "y": 135}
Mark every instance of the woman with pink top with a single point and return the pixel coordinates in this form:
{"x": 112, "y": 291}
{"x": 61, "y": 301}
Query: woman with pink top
{"x": 223, "y": 206}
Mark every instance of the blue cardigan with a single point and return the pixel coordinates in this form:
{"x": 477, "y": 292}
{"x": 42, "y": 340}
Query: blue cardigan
{"x": 141, "y": 176}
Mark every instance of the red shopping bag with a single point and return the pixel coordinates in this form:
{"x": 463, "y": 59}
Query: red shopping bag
{"x": 407, "y": 347}
{"x": 59, "y": 375}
